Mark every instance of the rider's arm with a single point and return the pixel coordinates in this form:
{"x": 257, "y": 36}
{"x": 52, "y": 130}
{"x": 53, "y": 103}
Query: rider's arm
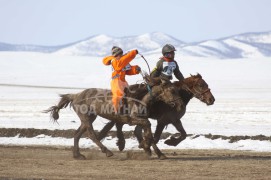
{"x": 156, "y": 72}
{"x": 178, "y": 73}
{"x": 124, "y": 60}
{"x": 133, "y": 70}
{"x": 107, "y": 60}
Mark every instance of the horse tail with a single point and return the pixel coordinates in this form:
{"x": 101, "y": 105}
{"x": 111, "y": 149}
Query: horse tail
{"x": 65, "y": 100}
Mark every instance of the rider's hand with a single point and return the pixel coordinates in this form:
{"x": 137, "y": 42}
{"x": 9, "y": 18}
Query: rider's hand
{"x": 138, "y": 69}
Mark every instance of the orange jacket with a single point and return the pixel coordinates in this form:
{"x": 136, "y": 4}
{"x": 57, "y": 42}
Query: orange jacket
{"x": 119, "y": 64}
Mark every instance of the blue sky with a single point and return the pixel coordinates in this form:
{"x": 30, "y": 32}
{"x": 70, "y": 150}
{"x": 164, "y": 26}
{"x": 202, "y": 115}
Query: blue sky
{"x": 57, "y": 22}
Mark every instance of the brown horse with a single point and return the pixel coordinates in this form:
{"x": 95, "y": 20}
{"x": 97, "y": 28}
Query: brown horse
{"x": 193, "y": 86}
{"x": 91, "y": 103}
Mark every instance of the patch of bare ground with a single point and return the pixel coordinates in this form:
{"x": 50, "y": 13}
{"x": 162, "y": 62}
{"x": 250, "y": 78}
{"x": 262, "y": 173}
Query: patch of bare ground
{"x": 57, "y": 163}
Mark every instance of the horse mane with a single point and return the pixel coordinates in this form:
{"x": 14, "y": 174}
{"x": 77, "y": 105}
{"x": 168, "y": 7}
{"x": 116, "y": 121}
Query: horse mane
{"x": 196, "y": 76}
{"x": 188, "y": 81}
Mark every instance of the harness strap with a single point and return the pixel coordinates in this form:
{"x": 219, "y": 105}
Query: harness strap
{"x": 148, "y": 86}
{"x": 207, "y": 90}
{"x": 116, "y": 76}
{"x": 149, "y": 89}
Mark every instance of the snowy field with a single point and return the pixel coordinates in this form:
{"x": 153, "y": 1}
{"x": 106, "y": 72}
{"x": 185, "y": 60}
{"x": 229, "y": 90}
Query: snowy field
{"x": 31, "y": 82}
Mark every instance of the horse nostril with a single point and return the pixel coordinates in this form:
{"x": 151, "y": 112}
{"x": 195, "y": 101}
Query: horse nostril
{"x": 211, "y": 101}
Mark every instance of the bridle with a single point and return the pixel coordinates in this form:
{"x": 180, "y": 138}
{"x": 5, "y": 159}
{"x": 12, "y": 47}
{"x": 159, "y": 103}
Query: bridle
{"x": 195, "y": 92}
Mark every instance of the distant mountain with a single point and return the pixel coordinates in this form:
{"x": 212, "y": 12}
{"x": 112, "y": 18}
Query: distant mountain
{"x": 237, "y": 46}
{"x": 32, "y": 48}
{"x": 101, "y": 45}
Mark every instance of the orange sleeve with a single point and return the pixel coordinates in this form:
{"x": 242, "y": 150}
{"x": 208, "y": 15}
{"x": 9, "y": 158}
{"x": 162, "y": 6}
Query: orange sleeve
{"x": 107, "y": 60}
{"x": 124, "y": 60}
{"x": 132, "y": 71}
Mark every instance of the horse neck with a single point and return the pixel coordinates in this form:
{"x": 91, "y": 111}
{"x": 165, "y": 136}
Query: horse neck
{"x": 185, "y": 95}
{"x": 147, "y": 98}
{"x": 152, "y": 96}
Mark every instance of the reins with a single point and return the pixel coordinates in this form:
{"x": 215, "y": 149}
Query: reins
{"x": 174, "y": 100}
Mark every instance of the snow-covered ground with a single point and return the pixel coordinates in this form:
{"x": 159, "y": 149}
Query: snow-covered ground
{"x": 242, "y": 88}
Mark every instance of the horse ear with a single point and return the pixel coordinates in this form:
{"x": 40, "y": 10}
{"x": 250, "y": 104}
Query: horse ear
{"x": 198, "y": 74}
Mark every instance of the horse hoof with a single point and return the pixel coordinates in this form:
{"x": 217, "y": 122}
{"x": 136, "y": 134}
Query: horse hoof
{"x": 79, "y": 157}
{"x": 121, "y": 145}
{"x": 163, "y": 157}
{"x": 144, "y": 145}
{"x": 148, "y": 151}
{"x": 109, "y": 153}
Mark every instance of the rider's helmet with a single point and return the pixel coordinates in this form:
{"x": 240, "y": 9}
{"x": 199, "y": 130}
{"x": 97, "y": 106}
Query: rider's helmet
{"x": 167, "y": 49}
{"x": 116, "y": 51}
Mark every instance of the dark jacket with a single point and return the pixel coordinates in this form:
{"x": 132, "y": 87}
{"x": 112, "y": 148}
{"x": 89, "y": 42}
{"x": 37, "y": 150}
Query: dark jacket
{"x": 165, "y": 69}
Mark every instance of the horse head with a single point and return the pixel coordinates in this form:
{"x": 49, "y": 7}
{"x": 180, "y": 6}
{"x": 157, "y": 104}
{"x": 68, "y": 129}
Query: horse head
{"x": 199, "y": 88}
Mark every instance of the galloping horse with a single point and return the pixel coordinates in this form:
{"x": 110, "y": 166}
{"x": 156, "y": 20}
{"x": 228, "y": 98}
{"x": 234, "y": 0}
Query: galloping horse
{"x": 91, "y": 103}
{"x": 190, "y": 87}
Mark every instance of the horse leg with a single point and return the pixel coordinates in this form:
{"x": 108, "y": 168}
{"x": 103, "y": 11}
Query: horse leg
{"x": 146, "y": 125}
{"x": 120, "y": 135}
{"x": 148, "y": 138}
{"x": 158, "y": 131}
{"x": 93, "y": 137}
{"x": 178, "y": 125}
{"x": 154, "y": 146}
{"x": 157, "y": 134}
{"x": 77, "y": 136}
{"x": 138, "y": 133}
{"x": 158, "y": 152}
{"x": 78, "y": 133}
{"x": 105, "y": 130}
{"x": 87, "y": 121}
{"x": 175, "y": 141}
{"x": 147, "y": 130}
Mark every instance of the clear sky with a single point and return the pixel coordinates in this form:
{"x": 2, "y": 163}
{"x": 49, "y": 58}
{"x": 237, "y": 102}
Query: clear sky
{"x": 57, "y": 22}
